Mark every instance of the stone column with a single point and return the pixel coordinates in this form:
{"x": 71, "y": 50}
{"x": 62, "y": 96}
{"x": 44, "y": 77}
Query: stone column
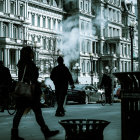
{"x": 11, "y": 35}
{"x": 1, "y": 28}
{"x": 16, "y": 56}
{"x": 95, "y": 48}
{"x": 8, "y": 57}
{"x": 95, "y": 65}
{"x": 51, "y": 24}
{"x": 120, "y": 66}
{"x": 5, "y": 57}
{"x": 41, "y": 21}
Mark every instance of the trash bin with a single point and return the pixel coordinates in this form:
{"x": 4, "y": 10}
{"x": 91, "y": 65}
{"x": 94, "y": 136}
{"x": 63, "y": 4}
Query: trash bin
{"x": 84, "y": 129}
{"x": 130, "y": 104}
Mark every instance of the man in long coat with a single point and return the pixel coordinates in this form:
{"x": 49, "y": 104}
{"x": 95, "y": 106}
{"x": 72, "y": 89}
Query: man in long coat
{"x": 61, "y": 77}
{"x": 5, "y": 85}
{"x": 106, "y": 82}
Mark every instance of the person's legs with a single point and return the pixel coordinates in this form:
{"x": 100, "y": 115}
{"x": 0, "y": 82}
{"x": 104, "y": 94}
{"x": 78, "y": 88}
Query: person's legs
{"x": 108, "y": 95}
{"x": 39, "y": 118}
{"x": 16, "y": 121}
{"x": 60, "y": 97}
{"x": 1, "y": 103}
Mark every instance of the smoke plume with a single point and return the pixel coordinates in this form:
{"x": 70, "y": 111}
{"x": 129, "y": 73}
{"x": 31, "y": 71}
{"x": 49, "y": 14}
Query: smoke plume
{"x": 70, "y": 38}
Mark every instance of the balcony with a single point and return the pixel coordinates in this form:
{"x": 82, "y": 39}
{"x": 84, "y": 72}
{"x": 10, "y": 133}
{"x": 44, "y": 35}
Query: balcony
{"x": 10, "y": 40}
{"x": 108, "y": 56}
{"x": 113, "y": 39}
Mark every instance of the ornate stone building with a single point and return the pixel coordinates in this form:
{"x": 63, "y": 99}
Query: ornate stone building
{"x": 92, "y": 33}
{"x": 44, "y": 32}
{"x": 13, "y": 31}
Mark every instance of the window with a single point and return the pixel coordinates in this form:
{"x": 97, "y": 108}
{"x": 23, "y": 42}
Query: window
{"x": 12, "y": 59}
{"x": 126, "y": 50}
{"x": 1, "y": 6}
{"x": 21, "y": 10}
{"x": 88, "y": 67}
{"x": 38, "y": 39}
{"x": 81, "y": 5}
{"x": 49, "y": 23}
{"x": 33, "y": 19}
{"x": 59, "y": 25}
{"x": 12, "y": 7}
{"x": 44, "y": 22}
{"x": 88, "y": 47}
{"x": 93, "y": 47}
{"x": 21, "y": 33}
{"x": 5, "y": 29}
{"x": 86, "y": 7}
{"x": 38, "y": 21}
{"x": 54, "y": 24}
{"x": 15, "y": 31}
{"x": 44, "y": 43}
{"x": 83, "y": 67}
{"x": 83, "y": 47}
{"x": 33, "y": 38}
{"x": 110, "y": 31}
{"x": 82, "y": 26}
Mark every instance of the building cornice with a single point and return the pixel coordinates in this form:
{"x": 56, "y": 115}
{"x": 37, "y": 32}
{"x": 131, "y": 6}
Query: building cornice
{"x": 45, "y": 6}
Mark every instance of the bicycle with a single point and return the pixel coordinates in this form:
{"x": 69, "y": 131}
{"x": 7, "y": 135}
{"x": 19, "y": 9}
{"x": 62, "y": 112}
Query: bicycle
{"x": 104, "y": 100}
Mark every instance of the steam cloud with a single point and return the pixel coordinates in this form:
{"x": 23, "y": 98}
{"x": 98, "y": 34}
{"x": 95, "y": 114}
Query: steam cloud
{"x": 69, "y": 46}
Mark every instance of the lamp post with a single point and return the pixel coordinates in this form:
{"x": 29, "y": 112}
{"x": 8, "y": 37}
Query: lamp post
{"x": 91, "y": 72}
{"x": 77, "y": 68}
{"x": 131, "y": 31}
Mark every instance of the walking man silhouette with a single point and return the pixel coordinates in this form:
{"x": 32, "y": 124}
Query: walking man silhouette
{"x": 61, "y": 77}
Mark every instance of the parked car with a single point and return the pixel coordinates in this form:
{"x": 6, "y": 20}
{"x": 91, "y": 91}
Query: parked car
{"x": 83, "y": 93}
{"x": 116, "y": 91}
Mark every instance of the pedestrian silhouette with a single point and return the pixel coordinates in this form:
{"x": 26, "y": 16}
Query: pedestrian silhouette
{"x": 5, "y": 85}
{"x": 61, "y": 77}
{"x": 31, "y": 75}
{"x": 106, "y": 82}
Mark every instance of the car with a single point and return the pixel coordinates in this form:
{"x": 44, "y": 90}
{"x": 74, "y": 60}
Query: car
{"x": 116, "y": 91}
{"x": 83, "y": 93}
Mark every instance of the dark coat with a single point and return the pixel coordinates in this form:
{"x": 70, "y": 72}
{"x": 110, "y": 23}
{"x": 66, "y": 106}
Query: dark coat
{"x": 5, "y": 80}
{"x": 61, "y": 77}
{"x": 107, "y": 83}
{"x": 31, "y": 76}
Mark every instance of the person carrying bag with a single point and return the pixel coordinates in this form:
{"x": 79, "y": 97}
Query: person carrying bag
{"x": 24, "y": 89}
{"x": 28, "y": 74}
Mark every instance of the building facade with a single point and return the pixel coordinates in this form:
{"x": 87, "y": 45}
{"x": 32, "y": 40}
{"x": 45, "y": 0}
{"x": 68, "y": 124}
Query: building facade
{"x": 91, "y": 33}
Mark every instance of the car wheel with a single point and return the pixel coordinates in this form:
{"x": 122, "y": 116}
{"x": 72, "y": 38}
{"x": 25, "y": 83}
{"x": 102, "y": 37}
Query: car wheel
{"x": 86, "y": 99}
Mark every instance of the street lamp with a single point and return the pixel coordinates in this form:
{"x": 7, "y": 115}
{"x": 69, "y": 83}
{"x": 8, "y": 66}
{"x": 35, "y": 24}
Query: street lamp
{"x": 91, "y": 72}
{"x": 131, "y": 31}
{"x": 77, "y": 69}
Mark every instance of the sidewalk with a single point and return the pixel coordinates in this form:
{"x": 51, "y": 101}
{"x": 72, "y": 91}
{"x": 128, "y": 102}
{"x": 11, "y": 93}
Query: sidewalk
{"x": 30, "y": 130}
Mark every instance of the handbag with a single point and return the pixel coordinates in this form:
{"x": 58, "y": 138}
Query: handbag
{"x": 24, "y": 90}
